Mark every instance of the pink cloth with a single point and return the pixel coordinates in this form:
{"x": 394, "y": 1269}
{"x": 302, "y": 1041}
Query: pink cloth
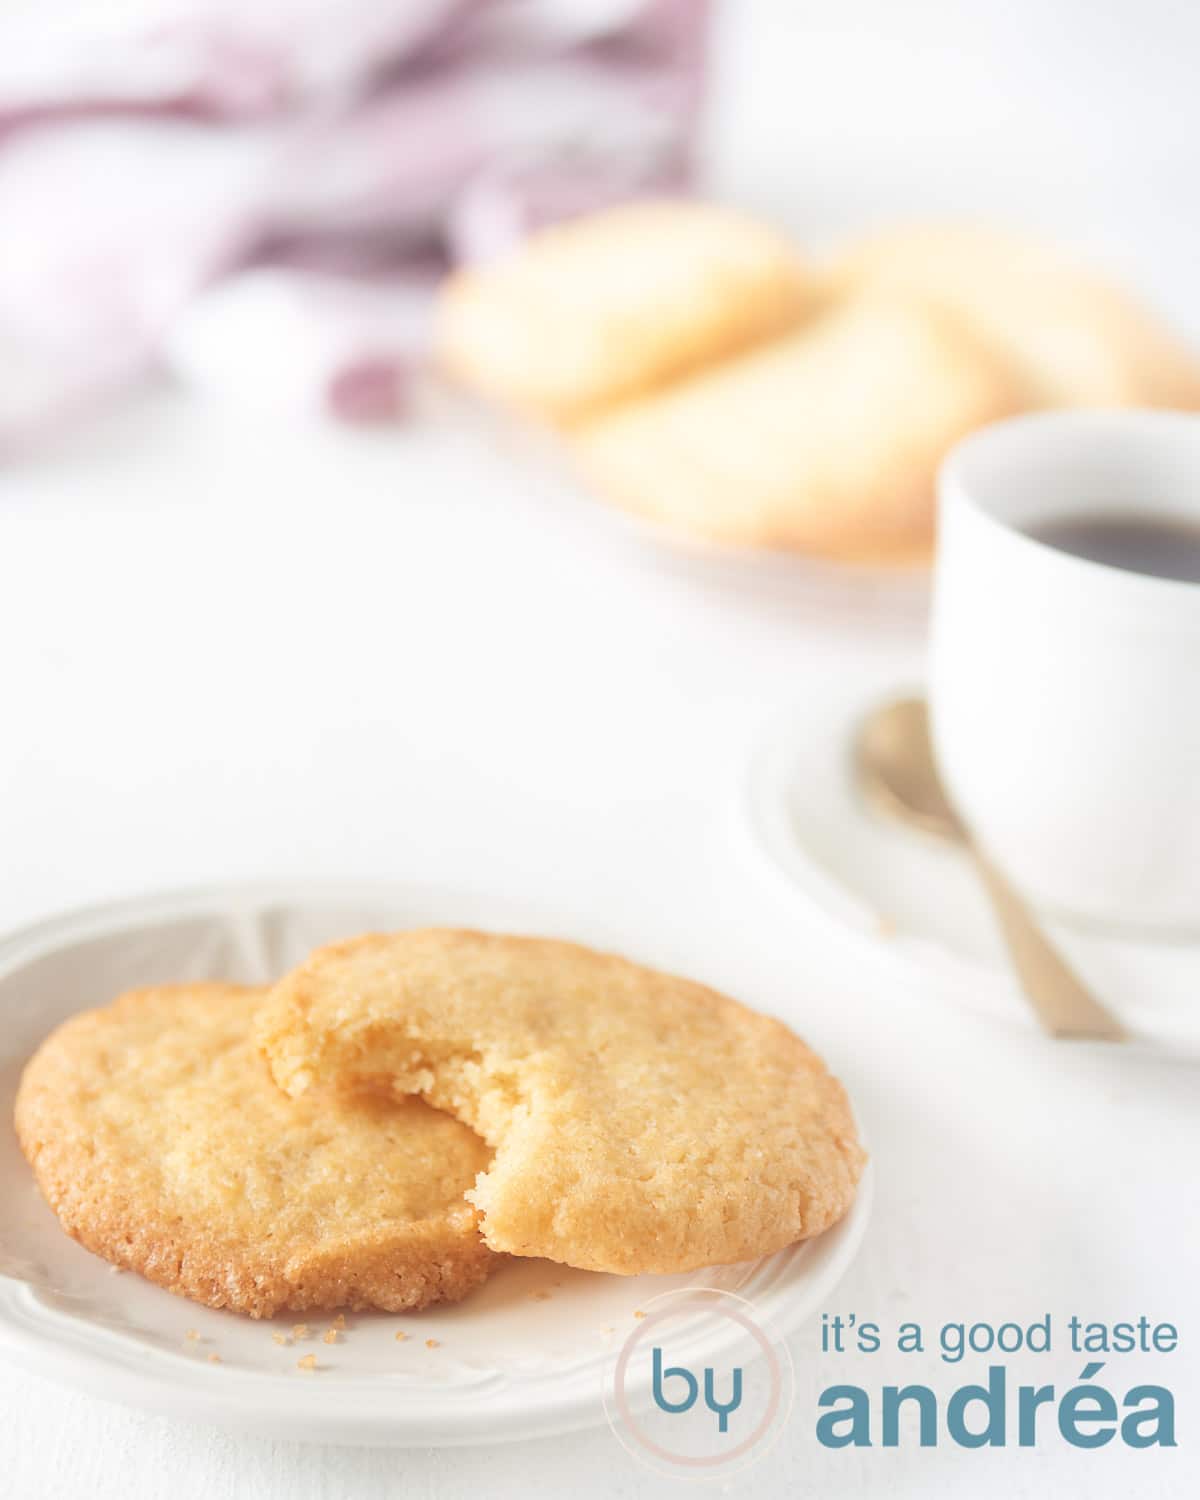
{"x": 273, "y": 187}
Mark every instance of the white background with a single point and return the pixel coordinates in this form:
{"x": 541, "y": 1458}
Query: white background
{"x": 233, "y": 650}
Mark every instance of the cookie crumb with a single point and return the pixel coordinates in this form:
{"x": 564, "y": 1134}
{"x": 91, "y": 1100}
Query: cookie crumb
{"x": 191, "y": 1334}
{"x": 309, "y": 1362}
{"x": 639, "y": 1313}
{"x": 214, "y": 1359}
{"x": 432, "y": 1344}
{"x": 540, "y": 1296}
{"x": 400, "y": 1336}
{"x": 300, "y": 1331}
{"x": 329, "y": 1336}
{"x": 280, "y": 1338}
{"x": 339, "y": 1322}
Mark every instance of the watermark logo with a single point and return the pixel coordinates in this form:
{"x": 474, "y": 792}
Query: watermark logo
{"x": 701, "y": 1385}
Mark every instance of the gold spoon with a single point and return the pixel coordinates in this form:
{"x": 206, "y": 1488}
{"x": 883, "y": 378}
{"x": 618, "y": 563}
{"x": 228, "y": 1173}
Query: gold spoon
{"x": 898, "y": 775}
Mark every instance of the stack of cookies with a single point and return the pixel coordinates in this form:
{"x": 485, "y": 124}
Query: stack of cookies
{"x": 385, "y": 1124}
{"x": 705, "y": 377}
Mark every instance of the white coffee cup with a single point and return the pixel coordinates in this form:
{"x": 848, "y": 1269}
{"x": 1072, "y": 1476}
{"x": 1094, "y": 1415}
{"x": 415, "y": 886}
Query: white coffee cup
{"x": 1065, "y": 693}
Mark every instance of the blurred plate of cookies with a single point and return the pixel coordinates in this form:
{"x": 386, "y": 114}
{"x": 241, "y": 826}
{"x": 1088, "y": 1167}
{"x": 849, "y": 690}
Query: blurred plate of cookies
{"x": 694, "y": 370}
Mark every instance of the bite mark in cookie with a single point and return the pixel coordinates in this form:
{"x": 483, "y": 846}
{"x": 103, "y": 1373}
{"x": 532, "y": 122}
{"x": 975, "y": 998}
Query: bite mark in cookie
{"x": 641, "y": 1122}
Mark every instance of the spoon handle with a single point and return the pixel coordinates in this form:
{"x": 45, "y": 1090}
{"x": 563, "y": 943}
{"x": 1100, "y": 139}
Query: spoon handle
{"x": 1064, "y": 1005}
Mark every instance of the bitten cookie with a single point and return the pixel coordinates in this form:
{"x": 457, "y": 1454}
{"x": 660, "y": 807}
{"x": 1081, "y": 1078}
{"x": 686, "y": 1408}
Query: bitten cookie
{"x": 1072, "y": 337}
{"x": 641, "y": 1123}
{"x": 158, "y": 1138}
{"x": 827, "y": 441}
{"x": 598, "y": 309}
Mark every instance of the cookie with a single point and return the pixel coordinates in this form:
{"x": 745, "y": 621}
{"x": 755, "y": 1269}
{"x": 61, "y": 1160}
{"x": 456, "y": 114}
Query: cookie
{"x": 641, "y": 1123}
{"x": 827, "y": 441}
{"x": 1072, "y": 337}
{"x": 594, "y": 310}
{"x": 157, "y": 1136}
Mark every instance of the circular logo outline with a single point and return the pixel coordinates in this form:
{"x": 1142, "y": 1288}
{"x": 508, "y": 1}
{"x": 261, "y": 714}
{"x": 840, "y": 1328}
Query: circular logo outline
{"x": 691, "y": 1299}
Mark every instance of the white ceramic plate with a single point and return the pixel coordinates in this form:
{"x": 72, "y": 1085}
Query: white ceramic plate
{"x": 917, "y": 897}
{"x": 522, "y": 1357}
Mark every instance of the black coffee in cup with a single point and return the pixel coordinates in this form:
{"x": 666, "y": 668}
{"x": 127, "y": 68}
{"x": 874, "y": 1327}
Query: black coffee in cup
{"x": 1160, "y": 546}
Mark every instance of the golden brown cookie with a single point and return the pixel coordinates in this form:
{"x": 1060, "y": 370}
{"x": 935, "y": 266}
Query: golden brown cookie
{"x": 1071, "y": 335}
{"x": 595, "y": 310}
{"x": 826, "y": 441}
{"x": 640, "y": 1122}
{"x": 158, "y": 1138}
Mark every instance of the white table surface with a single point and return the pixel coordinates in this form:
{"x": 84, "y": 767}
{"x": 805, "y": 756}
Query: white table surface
{"x": 230, "y": 649}
{"x": 232, "y": 652}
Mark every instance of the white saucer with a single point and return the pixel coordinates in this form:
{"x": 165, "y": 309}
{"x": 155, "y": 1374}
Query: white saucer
{"x": 919, "y": 898}
{"x": 522, "y": 1357}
